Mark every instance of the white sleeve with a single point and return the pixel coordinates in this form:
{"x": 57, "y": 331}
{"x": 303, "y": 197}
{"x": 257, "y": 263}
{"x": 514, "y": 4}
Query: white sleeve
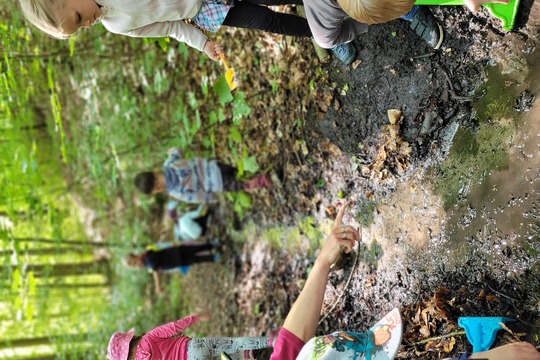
{"x": 178, "y": 30}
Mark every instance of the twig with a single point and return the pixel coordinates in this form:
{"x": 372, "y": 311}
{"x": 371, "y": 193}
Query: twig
{"x": 456, "y": 333}
{"x": 343, "y": 292}
{"x": 500, "y": 293}
{"x": 423, "y": 56}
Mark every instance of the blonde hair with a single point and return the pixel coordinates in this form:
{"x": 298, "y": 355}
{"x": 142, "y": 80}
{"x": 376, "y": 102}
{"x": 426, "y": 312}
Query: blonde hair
{"x": 41, "y": 13}
{"x": 376, "y": 11}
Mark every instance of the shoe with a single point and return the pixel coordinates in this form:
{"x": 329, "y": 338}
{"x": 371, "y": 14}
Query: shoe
{"x": 426, "y": 26}
{"x": 346, "y": 53}
{"x": 259, "y": 181}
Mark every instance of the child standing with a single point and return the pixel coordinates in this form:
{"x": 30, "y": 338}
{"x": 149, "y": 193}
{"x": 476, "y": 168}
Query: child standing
{"x": 196, "y": 180}
{"x": 164, "y": 257}
{"x": 336, "y": 23}
{"x": 159, "y": 18}
{"x": 168, "y": 342}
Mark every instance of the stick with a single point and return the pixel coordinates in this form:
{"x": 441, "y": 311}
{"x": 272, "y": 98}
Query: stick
{"x": 437, "y": 338}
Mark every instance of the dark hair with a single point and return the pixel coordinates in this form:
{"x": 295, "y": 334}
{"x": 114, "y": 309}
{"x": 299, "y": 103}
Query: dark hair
{"x": 145, "y": 181}
{"x": 133, "y": 346}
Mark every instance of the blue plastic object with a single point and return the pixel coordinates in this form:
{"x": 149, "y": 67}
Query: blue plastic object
{"x": 481, "y": 331}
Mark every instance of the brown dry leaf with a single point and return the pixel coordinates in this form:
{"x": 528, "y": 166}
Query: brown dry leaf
{"x": 405, "y": 149}
{"x": 356, "y": 63}
{"x": 482, "y": 294}
{"x": 336, "y": 104}
{"x": 424, "y": 330}
{"x": 449, "y": 346}
{"x": 393, "y": 131}
{"x": 394, "y": 115}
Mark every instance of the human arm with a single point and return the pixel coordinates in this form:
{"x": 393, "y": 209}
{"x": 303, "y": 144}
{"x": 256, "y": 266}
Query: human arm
{"x": 474, "y": 5}
{"x": 173, "y": 328}
{"x": 172, "y": 206}
{"x": 178, "y": 30}
{"x": 304, "y": 315}
{"x": 518, "y": 350}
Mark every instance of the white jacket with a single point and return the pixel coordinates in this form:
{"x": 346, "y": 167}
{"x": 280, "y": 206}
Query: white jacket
{"x": 153, "y": 18}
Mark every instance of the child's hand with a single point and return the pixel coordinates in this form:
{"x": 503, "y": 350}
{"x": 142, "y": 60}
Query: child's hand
{"x": 213, "y": 50}
{"x": 474, "y": 5}
{"x": 204, "y": 317}
{"x": 341, "y": 239}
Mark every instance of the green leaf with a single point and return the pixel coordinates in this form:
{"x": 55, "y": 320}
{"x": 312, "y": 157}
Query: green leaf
{"x": 250, "y": 164}
{"x": 235, "y": 135}
{"x": 212, "y": 118}
{"x": 221, "y": 88}
{"x": 340, "y": 194}
{"x": 163, "y": 43}
{"x": 240, "y": 109}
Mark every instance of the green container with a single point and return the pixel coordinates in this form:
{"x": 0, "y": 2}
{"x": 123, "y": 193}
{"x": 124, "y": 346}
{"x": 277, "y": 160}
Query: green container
{"x": 504, "y": 12}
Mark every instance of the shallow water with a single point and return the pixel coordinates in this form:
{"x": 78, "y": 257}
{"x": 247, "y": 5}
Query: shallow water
{"x": 500, "y": 215}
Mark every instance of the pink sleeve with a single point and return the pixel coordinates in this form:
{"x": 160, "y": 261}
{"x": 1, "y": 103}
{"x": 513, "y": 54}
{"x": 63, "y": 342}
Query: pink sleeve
{"x": 175, "y": 327}
{"x": 287, "y": 346}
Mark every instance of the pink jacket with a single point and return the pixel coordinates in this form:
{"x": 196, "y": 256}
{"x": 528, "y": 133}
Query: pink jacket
{"x": 165, "y": 342}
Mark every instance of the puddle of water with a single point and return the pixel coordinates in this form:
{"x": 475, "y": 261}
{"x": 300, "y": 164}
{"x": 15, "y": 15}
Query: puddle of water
{"x": 498, "y": 212}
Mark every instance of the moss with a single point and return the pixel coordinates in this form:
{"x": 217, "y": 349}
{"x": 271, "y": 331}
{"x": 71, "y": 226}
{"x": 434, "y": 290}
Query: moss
{"x": 371, "y": 254}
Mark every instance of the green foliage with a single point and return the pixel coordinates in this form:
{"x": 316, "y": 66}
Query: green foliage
{"x": 371, "y": 254}
{"x": 241, "y": 202}
{"x": 365, "y": 211}
{"x": 223, "y": 91}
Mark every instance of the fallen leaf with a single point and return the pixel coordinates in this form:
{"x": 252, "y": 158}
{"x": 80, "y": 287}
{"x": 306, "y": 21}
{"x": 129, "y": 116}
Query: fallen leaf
{"x": 394, "y": 116}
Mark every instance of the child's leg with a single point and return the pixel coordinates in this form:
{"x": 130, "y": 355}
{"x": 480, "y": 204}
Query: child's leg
{"x": 189, "y": 253}
{"x": 251, "y": 16}
{"x": 330, "y": 25}
{"x": 210, "y": 347}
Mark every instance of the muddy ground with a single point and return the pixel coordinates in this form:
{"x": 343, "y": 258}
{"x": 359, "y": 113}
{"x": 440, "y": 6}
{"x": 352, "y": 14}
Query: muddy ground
{"x": 406, "y": 259}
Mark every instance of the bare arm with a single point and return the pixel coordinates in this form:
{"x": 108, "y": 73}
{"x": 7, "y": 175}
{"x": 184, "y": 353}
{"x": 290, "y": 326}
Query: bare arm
{"x": 519, "y": 350}
{"x": 304, "y": 315}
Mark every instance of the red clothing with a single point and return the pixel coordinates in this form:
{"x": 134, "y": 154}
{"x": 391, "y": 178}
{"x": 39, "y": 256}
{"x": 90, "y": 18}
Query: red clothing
{"x": 159, "y": 342}
{"x": 287, "y": 346}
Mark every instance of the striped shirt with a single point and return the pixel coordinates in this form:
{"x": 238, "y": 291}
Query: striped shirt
{"x": 196, "y": 180}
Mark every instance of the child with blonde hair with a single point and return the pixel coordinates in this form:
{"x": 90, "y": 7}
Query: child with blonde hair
{"x": 336, "y": 23}
{"x": 160, "y": 18}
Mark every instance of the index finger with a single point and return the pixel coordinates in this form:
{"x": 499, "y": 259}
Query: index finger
{"x": 340, "y": 214}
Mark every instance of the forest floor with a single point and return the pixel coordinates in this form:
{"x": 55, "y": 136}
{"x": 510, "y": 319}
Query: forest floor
{"x": 344, "y": 148}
